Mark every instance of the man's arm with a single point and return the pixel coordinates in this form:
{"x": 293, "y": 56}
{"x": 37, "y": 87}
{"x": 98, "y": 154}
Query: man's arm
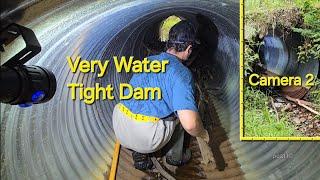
{"x": 191, "y": 122}
{"x": 184, "y": 104}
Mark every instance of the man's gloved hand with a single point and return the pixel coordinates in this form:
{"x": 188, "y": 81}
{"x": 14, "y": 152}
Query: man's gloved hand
{"x": 206, "y": 152}
{"x": 204, "y": 135}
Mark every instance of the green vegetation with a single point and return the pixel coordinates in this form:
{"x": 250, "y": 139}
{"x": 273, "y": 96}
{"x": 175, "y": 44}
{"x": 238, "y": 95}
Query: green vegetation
{"x": 261, "y": 5}
{"x": 261, "y": 121}
{"x": 314, "y": 96}
{"x": 251, "y": 57}
{"x": 262, "y": 16}
{"x": 310, "y": 30}
{"x": 289, "y": 15}
{"x": 166, "y": 26}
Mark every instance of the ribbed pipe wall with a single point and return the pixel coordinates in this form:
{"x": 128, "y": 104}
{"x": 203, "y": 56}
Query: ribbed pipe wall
{"x": 65, "y": 139}
{"x": 280, "y": 57}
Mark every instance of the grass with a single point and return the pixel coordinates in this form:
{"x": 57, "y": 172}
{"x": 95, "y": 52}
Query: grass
{"x": 261, "y": 121}
{"x": 262, "y": 5}
{"x": 166, "y": 26}
{"x": 264, "y": 16}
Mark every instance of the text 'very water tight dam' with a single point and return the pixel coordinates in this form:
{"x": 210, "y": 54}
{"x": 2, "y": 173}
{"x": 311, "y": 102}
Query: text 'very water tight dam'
{"x": 66, "y": 139}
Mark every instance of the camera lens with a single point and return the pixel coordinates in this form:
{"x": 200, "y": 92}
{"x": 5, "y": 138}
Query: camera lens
{"x": 26, "y": 85}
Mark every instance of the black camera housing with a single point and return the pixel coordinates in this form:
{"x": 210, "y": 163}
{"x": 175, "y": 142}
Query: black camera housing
{"x": 21, "y": 84}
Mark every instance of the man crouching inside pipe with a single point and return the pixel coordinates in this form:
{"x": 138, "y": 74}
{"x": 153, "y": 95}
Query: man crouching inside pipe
{"x": 146, "y": 126}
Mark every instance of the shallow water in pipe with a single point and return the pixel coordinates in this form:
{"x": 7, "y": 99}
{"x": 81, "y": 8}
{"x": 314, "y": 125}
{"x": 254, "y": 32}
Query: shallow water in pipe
{"x": 68, "y": 139}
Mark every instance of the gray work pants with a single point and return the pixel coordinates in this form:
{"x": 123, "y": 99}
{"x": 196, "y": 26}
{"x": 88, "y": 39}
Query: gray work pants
{"x": 175, "y": 147}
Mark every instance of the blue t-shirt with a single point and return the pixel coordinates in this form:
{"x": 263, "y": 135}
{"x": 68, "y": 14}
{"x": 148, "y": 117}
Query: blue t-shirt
{"x": 176, "y": 85}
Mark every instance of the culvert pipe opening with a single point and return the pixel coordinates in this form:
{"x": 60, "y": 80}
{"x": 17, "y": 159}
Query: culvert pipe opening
{"x": 66, "y": 139}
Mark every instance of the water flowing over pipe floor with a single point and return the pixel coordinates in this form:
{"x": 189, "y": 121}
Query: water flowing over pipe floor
{"x": 66, "y": 139}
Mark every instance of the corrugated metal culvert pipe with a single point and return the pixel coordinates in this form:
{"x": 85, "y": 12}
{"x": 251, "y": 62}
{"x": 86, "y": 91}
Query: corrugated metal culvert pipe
{"x": 279, "y": 55}
{"x": 65, "y": 139}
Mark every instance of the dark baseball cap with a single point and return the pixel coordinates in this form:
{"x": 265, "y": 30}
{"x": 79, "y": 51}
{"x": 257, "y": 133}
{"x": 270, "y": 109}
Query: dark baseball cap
{"x": 183, "y": 32}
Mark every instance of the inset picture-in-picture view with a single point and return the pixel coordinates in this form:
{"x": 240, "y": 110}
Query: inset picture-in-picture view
{"x": 281, "y": 70}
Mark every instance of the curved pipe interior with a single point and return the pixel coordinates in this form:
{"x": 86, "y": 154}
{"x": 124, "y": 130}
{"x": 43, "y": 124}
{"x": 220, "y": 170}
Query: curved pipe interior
{"x": 279, "y": 55}
{"x": 65, "y": 139}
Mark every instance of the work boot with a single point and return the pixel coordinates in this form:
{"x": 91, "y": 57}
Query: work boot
{"x": 185, "y": 159}
{"x": 142, "y": 161}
